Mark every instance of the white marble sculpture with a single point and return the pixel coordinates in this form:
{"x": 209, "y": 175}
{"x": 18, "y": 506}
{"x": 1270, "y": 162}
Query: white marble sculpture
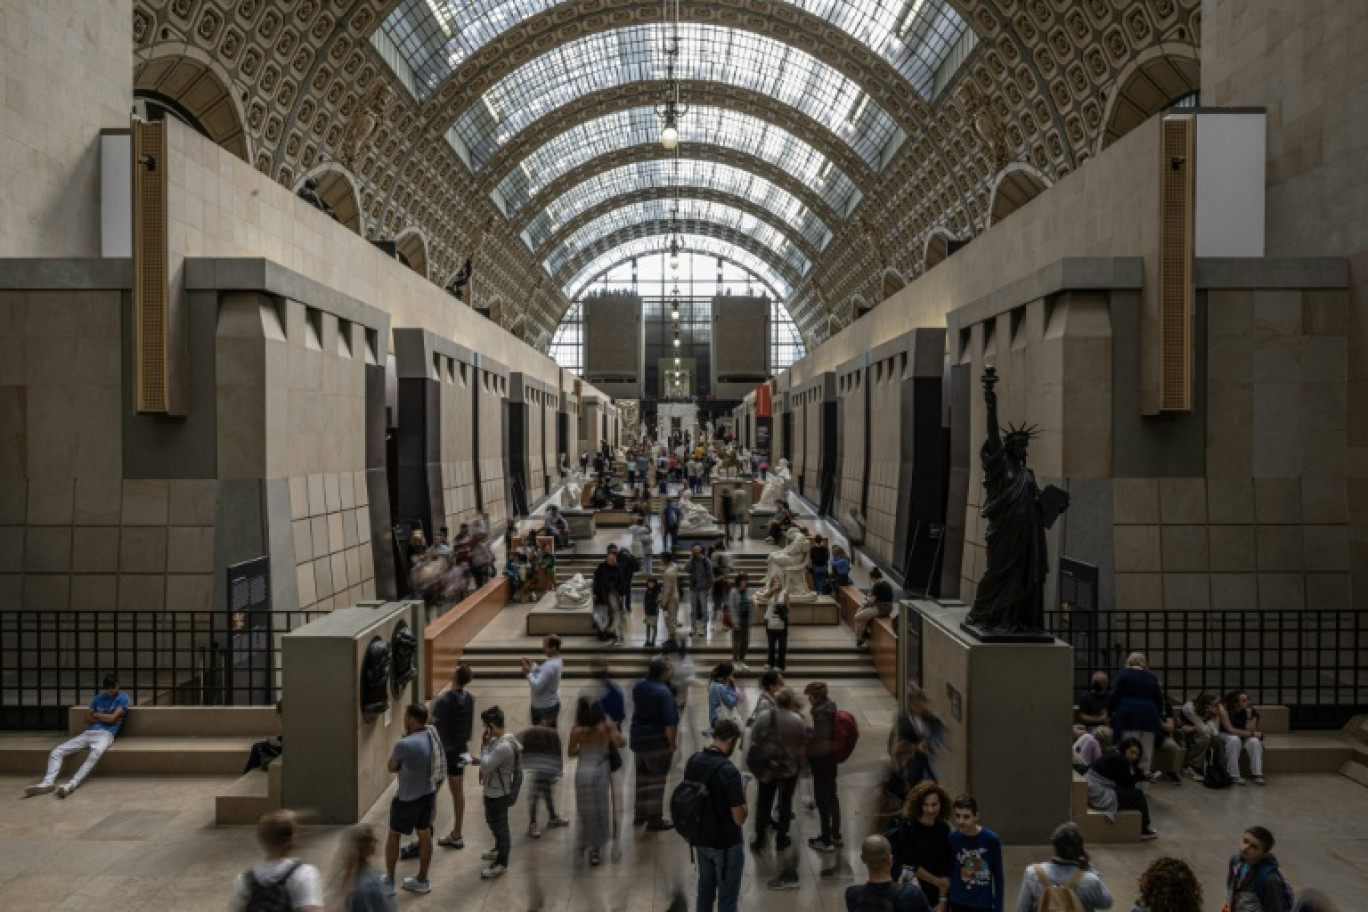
{"x": 789, "y": 565}
{"x": 572, "y": 488}
{"x": 694, "y": 518}
{"x": 776, "y": 486}
{"x": 575, "y": 594}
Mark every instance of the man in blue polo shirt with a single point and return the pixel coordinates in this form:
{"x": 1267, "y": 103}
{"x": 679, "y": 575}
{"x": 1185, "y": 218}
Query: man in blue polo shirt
{"x": 103, "y": 719}
{"x": 655, "y": 726}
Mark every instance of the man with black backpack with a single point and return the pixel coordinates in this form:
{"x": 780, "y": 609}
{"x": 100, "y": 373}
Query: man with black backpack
{"x": 880, "y": 893}
{"x": 280, "y": 883}
{"x": 709, "y": 809}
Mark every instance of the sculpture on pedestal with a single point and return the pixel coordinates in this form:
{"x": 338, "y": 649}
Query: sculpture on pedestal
{"x": 574, "y": 594}
{"x": 1010, "y": 600}
{"x": 789, "y": 565}
{"x": 695, "y": 518}
{"x": 572, "y": 490}
{"x": 776, "y": 485}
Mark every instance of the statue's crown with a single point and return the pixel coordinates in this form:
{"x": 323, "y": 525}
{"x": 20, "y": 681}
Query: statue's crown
{"x": 1014, "y": 434}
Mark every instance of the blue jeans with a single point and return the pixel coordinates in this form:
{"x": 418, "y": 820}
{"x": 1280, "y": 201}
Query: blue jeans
{"x": 719, "y": 875}
{"x": 699, "y": 601}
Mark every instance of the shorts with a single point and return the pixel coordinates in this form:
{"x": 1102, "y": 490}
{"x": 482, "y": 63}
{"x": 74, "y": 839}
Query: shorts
{"x": 407, "y": 816}
{"x": 455, "y": 762}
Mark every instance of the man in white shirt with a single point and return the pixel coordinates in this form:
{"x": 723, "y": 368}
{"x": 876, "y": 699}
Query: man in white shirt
{"x": 279, "y": 875}
{"x": 544, "y": 679}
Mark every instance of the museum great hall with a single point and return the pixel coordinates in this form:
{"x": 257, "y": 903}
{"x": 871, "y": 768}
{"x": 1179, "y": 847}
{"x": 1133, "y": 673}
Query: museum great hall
{"x": 295, "y": 294}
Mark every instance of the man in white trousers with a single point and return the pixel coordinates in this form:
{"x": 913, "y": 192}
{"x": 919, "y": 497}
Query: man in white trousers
{"x": 103, "y": 719}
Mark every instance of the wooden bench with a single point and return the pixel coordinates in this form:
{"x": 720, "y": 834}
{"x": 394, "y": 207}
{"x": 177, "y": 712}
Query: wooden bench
{"x": 883, "y": 651}
{"x": 445, "y": 638}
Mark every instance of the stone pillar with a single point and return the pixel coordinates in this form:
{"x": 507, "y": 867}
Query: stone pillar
{"x": 1007, "y": 710}
{"x": 337, "y": 765}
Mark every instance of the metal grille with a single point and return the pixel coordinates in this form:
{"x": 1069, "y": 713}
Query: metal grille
{"x": 1175, "y": 265}
{"x": 1313, "y": 661}
{"x": 50, "y": 660}
{"x": 150, "y": 298}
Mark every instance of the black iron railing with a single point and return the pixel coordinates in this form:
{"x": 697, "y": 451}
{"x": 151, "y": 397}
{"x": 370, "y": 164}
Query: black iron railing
{"x": 1313, "y": 661}
{"x": 50, "y": 660}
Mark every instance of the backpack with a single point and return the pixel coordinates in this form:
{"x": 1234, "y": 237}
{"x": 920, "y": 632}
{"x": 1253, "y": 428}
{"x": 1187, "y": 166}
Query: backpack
{"x": 270, "y": 895}
{"x": 1260, "y": 883}
{"x": 1058, "y": 897}
{"x": 516, "y": 785}
{"x": 1216, "y": 777}
{"x": 868, "y": 901}
{"x": 847, "y": 734}
{"x": 689, "y": 802}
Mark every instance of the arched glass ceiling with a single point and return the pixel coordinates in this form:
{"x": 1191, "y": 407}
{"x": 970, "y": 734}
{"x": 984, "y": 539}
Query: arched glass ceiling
{"x": 436, "y": 36}
{"x": 689, "y": 173}
{"x": 651, "y": 213}
{"x": 708, "y": 53}
{"x": 697, "y": 243}
{"x": 704, "y": 125}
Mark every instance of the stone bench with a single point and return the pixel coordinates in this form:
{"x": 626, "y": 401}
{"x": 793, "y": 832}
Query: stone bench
{"x": 251, "y": 797}
{"x": 1097, "y": 830}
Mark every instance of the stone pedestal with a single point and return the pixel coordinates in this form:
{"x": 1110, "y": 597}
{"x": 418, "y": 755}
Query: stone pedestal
{"x": 581, "y": 523}
{"x": 819, "y": 611}
{"x": 1004, "y": 705}
{"x": 760, "y": 520}
{"x": 338, "y": 759}
{"x": 545, "y": 619}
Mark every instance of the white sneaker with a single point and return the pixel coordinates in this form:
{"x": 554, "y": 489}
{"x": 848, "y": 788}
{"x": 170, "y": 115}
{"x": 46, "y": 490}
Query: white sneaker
{"x": 417, "y": 885}
{"x": 494, "y": 870}
{"x": 41, "y": 788}
{"x": 742, "y": 666}
{"x": 490, "y": 855}
{"x": 64, "y": 790}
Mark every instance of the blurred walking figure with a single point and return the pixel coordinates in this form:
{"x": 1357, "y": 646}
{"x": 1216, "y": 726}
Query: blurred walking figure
{"x": 592, "y": 740}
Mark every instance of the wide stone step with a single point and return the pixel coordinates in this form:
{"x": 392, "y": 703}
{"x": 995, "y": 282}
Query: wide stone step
{"x": 26, "y": 753}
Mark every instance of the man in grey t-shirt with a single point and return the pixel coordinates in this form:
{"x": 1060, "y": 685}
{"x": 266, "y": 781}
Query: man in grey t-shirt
{"x": 415, "y": 802}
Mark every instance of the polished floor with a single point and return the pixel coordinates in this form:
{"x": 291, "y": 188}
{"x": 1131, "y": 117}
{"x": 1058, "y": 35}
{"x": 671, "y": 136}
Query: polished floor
{"x": 138, "y": 843}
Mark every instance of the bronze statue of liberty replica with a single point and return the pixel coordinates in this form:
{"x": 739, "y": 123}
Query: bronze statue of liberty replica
{"x": 1010, "y": 603}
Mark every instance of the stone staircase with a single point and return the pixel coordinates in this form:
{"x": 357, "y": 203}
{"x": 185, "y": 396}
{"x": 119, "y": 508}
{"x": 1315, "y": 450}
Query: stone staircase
{"x": 585, "y": 562}
{"x": 626, "y": 663}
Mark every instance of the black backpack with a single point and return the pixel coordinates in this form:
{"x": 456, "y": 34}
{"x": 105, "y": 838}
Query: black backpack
{"x": 1215, "y": 777}
{"x": 690, "y": 803}
{"x": 270, "y": 895}
{"x": 869, "y": 901}
{"x": 516, "y": 786}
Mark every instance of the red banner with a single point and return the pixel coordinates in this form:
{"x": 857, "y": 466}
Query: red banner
{"x": 762, "y": 401}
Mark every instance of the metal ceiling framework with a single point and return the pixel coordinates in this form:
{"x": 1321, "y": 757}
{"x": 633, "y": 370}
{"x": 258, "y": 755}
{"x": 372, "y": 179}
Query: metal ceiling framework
{"x": 1034, "y": 82}
{"x": 793, "y": 221}
{"x": 786, "y": 276}
{"x": 636, "y": 248}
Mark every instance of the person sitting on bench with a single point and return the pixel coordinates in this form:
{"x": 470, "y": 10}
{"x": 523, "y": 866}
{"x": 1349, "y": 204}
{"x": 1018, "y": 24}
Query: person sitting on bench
{"x": 103, "y": 719}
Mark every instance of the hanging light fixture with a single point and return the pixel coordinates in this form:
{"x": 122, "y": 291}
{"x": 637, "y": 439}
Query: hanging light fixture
{"x": 670, "y": 108}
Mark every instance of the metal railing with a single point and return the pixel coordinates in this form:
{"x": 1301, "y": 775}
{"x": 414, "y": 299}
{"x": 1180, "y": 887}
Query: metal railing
{"x": 50, "y": 660}
{"x": 1313, "y": 661}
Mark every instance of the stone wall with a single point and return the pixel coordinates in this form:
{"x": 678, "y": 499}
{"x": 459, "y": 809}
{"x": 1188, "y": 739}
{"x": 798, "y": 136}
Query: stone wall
{"x": 65, "y": 73}
{"x": 1304, "y": 64}
{"x": 489, "y": 412}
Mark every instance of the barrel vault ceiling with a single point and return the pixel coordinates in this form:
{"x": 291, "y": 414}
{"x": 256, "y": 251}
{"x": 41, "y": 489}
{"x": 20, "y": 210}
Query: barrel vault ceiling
{"x": 827, "y": 145}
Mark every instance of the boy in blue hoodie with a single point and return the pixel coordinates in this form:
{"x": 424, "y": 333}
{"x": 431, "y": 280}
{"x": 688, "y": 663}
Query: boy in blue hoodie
{"x": 1254, "y": 883}
{"x": 977, "y": 883}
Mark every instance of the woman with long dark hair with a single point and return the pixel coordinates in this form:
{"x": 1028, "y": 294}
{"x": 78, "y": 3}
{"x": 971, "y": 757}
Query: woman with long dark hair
{"x": 591, "y": 740}
{"x": 1117, "y": 782}
{"x": 920, "y": 839}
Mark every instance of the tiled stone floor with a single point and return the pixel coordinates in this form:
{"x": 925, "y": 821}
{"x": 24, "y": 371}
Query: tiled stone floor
{"x": 139, "y": 843}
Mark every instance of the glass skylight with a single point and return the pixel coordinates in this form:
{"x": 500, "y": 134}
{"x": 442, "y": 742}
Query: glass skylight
{"x": 437, "y": 36}
{"x": 703, "y": 125}
{"x": 786, "y": 207}
{"x": 709, "y": 53}
{"x": 711, "y": 246}
{"x": 699, "y": 216}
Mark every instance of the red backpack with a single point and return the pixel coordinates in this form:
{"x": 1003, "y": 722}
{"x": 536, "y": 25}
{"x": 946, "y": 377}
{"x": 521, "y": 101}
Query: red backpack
{"x": 847, "y": 734}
